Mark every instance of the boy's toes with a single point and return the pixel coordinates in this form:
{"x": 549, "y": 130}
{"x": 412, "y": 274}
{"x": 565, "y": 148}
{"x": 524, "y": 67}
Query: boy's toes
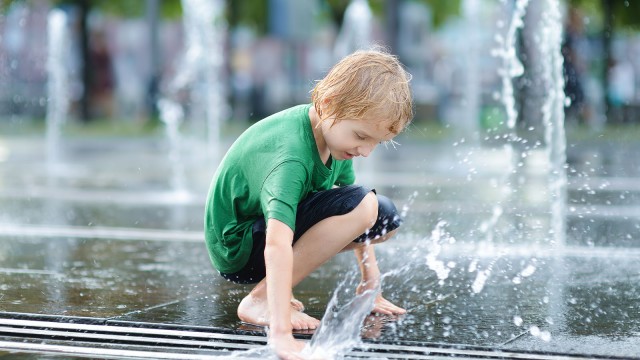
{"x": 302, "y": 321}
{"x": 297, "y": 304}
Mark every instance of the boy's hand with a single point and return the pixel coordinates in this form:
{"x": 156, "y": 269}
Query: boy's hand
{"x": 286, "y": 347}
{"x": 386, "y": 307}
{"x": 381, "y": 305}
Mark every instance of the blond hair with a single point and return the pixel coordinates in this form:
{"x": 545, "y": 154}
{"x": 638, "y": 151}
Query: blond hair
{"x": 366, "y": 83}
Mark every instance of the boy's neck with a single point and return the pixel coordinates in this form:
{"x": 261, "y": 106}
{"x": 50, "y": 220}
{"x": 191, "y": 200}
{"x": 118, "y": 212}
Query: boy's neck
{"x": 316, "y": 127}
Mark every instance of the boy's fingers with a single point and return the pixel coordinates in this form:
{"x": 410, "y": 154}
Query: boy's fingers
{"x": 382, "y": 309}
{"x": 386, "y": 307}
{"x": 397, "y": 309}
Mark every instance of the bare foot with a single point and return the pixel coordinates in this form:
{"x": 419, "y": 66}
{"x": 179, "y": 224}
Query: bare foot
{"x": 297, "y": 304}
{"x": 256, "y": 311}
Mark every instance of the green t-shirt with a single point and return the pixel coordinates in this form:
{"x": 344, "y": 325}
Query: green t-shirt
{"x": 267, "y": 171}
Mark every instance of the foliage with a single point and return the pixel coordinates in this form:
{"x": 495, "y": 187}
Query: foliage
{"x": 624, "y": 12}
{"x": 251, "y": 13}
{"x": 441, "y": 10}
{"x": 4, "y": 5}
{"x": 169, "y": 9}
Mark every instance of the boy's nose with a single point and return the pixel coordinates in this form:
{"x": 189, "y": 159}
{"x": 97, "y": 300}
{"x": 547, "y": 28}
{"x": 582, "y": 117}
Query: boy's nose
{"x": 365, "y": 150}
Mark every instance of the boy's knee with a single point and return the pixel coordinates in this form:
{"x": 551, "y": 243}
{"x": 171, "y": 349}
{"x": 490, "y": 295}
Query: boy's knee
{"x": 387, "y": 221}
{"x": 369, "y": 208}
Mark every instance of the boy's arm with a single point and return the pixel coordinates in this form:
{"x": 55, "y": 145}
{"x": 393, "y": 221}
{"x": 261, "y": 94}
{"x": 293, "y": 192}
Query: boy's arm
{"x": 371, "y": 280}
{"x": 278, "y": 256}
{"x": 368, "y": 265}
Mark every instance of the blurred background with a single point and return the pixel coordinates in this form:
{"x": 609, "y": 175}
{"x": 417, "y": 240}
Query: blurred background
{"x": 121, "y": 56}
{"x": 521, "y": 202}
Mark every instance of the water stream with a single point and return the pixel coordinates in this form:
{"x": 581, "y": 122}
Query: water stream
{"x": 200, "y": 73}
{"x": 57, "y": 85}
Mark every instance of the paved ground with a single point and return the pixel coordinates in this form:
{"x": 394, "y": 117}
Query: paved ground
{"x": 112, "y": 233}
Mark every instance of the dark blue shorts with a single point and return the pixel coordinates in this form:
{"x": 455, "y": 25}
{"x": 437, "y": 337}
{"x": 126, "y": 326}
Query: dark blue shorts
{"x": 315, "y": 208}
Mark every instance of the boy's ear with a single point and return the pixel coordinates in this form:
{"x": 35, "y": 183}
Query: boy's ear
{"x": 324, "y": 105}
{"x": 326, "y": 102}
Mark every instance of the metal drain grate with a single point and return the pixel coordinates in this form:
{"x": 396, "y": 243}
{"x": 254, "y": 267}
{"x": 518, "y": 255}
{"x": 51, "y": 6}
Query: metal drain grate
{"x": 104, "y": 339}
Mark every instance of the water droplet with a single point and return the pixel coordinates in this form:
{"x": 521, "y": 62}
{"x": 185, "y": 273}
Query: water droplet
{"x": 534, "y": 330}
{"x": 517, "y": 320}
{"x": 545, "y": 336}
{"x": 567, "y": 101}
{"x": 528, "y": 271}
{"x": 480, "y": 281}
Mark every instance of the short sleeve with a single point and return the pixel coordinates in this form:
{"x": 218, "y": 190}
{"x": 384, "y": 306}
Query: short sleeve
{"x": 282, "y": 190}
{"x": 347, "y": 176}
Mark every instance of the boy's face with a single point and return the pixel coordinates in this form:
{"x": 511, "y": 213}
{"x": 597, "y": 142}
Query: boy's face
{"x": 347, "y": 139}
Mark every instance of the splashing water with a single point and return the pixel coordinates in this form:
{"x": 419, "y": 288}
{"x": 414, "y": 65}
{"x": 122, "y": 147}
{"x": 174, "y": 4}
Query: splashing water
{"x": 340, "y": 329}
{"x": 482, "y": 275}
{"x": 438, "y": 236}
{"x": 408, "y": 204}
{"x": 526, "y": 272}
{"x": 341, "y": 325}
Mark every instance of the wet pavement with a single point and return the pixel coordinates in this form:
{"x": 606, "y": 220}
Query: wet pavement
{"x": 106, "y": 236}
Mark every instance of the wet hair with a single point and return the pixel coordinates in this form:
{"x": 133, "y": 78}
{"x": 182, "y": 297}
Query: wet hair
{"x": 367, "y": 83}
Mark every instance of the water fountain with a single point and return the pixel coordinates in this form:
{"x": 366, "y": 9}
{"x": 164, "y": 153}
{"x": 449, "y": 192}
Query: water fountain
{"x": 201, "y": 70}
{"x": 355, "y": 32}
{"x": 57, "y": 86}
{"x": 535, "y": 148}
{"x": 200, "y": 73}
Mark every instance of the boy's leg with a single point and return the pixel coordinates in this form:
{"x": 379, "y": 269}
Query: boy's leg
{"x": 317, "y": 244}
{"x": 385, "y": 227}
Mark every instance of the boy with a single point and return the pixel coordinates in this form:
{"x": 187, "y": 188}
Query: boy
{"x": 282, "y": 202}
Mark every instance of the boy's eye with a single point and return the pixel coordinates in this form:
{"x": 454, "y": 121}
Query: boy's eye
{"x": 360, "y": 136}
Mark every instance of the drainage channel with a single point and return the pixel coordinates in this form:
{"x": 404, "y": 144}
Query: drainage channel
{"x": 126, "y": 340}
